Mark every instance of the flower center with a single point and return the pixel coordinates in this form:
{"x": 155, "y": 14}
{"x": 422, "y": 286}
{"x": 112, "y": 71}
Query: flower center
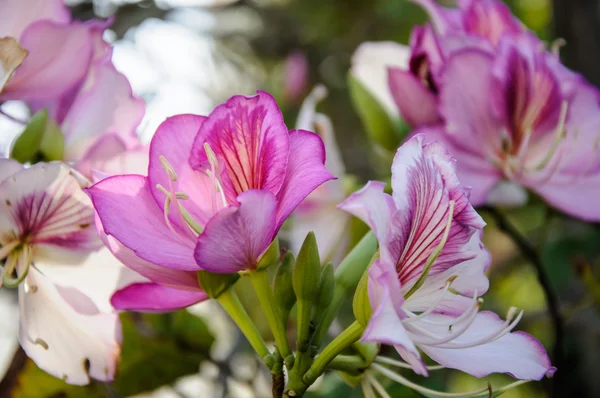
{"x": 18, "y": 258}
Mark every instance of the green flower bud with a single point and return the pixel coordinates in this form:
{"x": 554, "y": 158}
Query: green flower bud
{"x": 282, "y": 286}
{"x": 307, "y": 270}
{"x": 326, "y": 288}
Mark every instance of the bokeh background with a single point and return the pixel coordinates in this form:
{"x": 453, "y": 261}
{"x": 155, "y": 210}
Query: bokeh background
{"x": 186, "y": 56}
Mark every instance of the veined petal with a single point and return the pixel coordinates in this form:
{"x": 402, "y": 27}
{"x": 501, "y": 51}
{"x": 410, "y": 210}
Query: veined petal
{"x": 173, "y": 140}
{"x": 385, "y": 325}
{"x": 152, "y": 297}
{"x": 104, "y": 105}
{"x": 18, "y": 15}
{"x": 59, "y": 56}
{"x": 305, "y": 172}
{"x": 236, "y": 237}
{"x": 45, "y": 204}
{"x": 250, "y": 140}
{"x": 376, "y": 209}
{"x": 66, "y": 343}
{"x": 370, "y": 63}
{"x": 416, "y": 103}
{"x": 129, "y": 213}
{"x": 518, "y": 354}
{"x": 9, "y": 167}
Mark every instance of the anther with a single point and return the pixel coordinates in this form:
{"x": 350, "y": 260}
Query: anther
{"x": 168, "y": 168}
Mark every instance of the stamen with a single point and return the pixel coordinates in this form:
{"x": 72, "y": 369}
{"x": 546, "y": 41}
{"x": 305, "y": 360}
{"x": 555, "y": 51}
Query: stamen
{"x": 560, "y": 135}
{"x": 23, "y": 262}
{"x": 7, "y": 249}
{"x": 404, "y": 365}
{"x": 424, "y": 390}
{"x": 367, "y": 389}
{"x": 432, "y": 307}
{"x": 371, "y": 379}
{"x": 168, "y": 168}
{"x": 556, "y": 45}
{"x": 210, "y": 155}
{"x": 218, "y": 188}
{"x": 465, "y": 314}
{"x": 181, "y": 196}
{"x": 190, "y": 220}
{"x": 434, "y": 255}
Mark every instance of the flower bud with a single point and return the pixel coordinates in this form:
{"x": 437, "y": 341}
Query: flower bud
{"x": 215, "y": 284}
{"x": 282, "y": 286}
{"x": 326, "y": 287}
{"x": 41, "y": 138}
{"x": 307, "y": 271}
{"x": 270, "y": 256}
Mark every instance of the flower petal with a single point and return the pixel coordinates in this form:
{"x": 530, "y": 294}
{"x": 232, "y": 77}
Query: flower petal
{"x": 17, "y": 15}
{"x": 250, "y": 140}
{"x": 236, "y": 237}
{"x": 416, "y": 104}
{"x": 11, "y": 57}
{"x": 105, "y": 104}
{"x": 45, "y": 204}
{"x": 59, "y": 56}
{"x": 173, "y": 140}
{"x": 9, "y": 167}
{"x": 129, "y": 213}
{"x": 370, "y": 63}
{"x": 559, "y": 193}
{"x": 62, "y": 341}
{"x": 152, "y": 297}
{"x": 518, "y": 353}
{"x": 305, "y": 172}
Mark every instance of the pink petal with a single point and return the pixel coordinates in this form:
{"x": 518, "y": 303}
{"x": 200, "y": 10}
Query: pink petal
{"x": 9, "y": 167}
{"x": 466, "y": 103}
{"x": 45, "y": 204}
{"x": 305, "y": 172}
{"x": 424, "y": 182}
{"x": 63, "y": 341}
{"x": 251, "y": 141}
{"x": 173, "y": 140}
{"x": 151, "y": 297}
{"x": 182, "y": 280}
{"x": 101, "y": 152}
{"x": 59, "y": 56}
{"x": 573, "y": 194}
{"x": 385, "y": 325}
{"x": 376, "y": 209}
{"x": 129, "y": 213}
{"x": 417, "y": 105}
{"x": 19, "y": 14}
{"x": 105, "y": 104}
{"x": 518, "y": 353}
{"x": 236, "y": 237}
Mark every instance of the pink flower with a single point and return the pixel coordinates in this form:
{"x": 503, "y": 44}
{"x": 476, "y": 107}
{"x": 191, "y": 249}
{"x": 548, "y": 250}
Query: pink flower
{"x": 218, "y": 188}
{"x": 430, "y": 241}
{"x": 518, "y": 115}
{"x": 68, "y": 70}
{"x": 50, "y": 250}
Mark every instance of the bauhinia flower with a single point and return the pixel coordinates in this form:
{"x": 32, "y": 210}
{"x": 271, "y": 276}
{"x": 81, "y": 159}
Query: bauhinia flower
{"x": 424, "y": 288}
{"x": 319, "y": 212}
{"x": 49, "y": 248}
{"x": 218, "y": 188}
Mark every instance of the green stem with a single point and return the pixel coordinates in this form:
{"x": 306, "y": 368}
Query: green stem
{"x": 260, "y": 282}
{"x": 332, "y": 350}
{"x": 232, "y": 305}
{"x": 347, "y": 276}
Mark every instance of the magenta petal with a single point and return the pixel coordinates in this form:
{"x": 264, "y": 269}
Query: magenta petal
{"x": 151, "y": 297}
{"x": 173, "y": 140}
{"x": 416, "y": 104}
{"x": 19, "y": 14}
{"x": 559, "y": 192}
{"x": 129, "y": 213}
{"x": 518, "y": 354}
{"x": 251, "y": 141}
{"x": 59, "y": 56}
{"x": 236, "y": 237}
{"x": 305, "y": 172}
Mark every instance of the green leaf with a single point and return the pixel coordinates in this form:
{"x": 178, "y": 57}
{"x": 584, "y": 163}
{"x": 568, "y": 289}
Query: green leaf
{"x": 375, "y": 120}
{"x": 361, "y": 306}
{"x": 28, "y": 143}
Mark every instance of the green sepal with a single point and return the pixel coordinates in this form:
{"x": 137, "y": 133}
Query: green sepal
{"x": 41, "y": 140}
{"x": 326, "y": 288}
{"x": 361, "y": 305}
{"x": 271, "y": 256}
{"x": 215, "y": 284}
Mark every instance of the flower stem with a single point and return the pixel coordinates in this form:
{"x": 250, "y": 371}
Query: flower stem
{"x": 332, "y": 350}
{"x": 232, "y": 305}
{"x": 260, "y": 282}
{"x": 531, "y": 254}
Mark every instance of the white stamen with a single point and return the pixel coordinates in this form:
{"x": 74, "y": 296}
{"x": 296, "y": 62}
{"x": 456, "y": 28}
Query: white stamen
{"x": 367, "y": 389}
{"x": 432, "y": 308}
{"x": 8, "y": 248}
{"x": 404, "y": 365}
{"x": 371, "y": 379}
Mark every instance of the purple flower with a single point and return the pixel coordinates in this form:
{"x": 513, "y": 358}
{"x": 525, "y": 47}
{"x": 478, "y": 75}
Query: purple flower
{"x": 51, "y": 252}
{"x": 218, "y": 188}
{"x": 430, "y": 242}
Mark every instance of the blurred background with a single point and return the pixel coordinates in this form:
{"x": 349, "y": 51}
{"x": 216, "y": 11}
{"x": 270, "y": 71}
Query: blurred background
{"x": 186, "y": 56}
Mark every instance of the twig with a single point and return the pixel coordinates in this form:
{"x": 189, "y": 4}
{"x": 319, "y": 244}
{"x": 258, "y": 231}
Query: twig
{"x": 531, "y": 254}
{"x": 9, "y": 382}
